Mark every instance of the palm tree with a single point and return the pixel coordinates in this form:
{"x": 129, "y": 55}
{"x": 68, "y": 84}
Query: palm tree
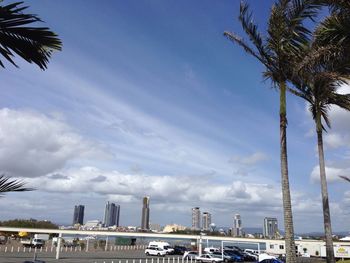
{"x": 33, "y": 44}
{"x": 320, "y": 91}
{"x": 286, "y": 36}
{"x": 9, "y": 185}
{"x": 324, "y": 69}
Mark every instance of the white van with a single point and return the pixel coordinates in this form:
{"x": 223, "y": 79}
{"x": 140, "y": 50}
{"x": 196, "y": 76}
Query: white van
{"x": 163, "y": 245}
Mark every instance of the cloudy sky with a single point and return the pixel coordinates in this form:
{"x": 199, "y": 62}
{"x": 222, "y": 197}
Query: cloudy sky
{"x": 149, "y": 98}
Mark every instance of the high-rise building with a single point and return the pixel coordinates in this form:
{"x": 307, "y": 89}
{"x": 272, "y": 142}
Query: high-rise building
{"x": 270, "y": 227}
{"x": 145, "y": 213}
{"x": 78, "y": 217}
{"x": 196, "y": 218}
{"x": 237, "y": 226}
{"x": 111, "y": 216}
{"x": 206, "y": 221}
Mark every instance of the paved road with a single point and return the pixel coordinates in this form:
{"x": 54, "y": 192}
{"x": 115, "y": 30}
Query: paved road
{"x": 98, "y": 257}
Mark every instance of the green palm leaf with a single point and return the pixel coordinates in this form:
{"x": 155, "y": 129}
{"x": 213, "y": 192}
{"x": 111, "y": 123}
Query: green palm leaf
{"x": 9, "y": 185}
{"x": 33, "y": 44}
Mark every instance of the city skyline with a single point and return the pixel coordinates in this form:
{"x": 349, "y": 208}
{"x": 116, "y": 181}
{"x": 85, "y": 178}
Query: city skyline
{"x": 164, "y": 106}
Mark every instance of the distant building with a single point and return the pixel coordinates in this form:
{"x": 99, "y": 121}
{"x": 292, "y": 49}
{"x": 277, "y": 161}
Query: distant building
{"x": 196, "y": 218}
{"x": 237, "y": 226}
{"x": 155, "y": 227}
{"x": 92, "y": 225}
{"x": 270, "y": 227}
{"x": 206, "y": 221}
{"x": 173, "y": 228}
{"x": 78, "y": 217}
{"x": 111, "y": 216}
{"x": 145, "y": 214}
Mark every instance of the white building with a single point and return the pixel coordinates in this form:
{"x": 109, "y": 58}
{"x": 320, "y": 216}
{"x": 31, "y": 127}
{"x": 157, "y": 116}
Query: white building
{"x": 270, "y": 227}
{"x": 206, "y": 221}
{"x": 237, "y": 226}
{"x": 196, "y": 218}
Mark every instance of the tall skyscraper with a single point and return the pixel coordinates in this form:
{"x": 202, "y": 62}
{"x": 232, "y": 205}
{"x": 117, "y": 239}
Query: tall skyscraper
{"x": 111, "y": 217}
{"x": 237, "y": 225}
{"x": 145, "y": 213}
{"x": 270, "y": 227}
{"x": 78, "y": 217}
{"x": 206, "y": 221}
{"x": 196, "y": 218}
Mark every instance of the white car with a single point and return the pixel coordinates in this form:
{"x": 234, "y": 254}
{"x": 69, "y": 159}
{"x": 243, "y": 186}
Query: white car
{"x": 208, "y": 258}
{"x": 155, "y": 251}
{"x": 190, "y": 255}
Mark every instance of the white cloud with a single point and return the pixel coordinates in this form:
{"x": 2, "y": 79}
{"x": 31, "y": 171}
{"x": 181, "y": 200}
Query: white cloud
{"x": 32, "y": 144}
{"x": 250, "y": 159}
{"x": 182, "y": 190}
{"x": 332, "y": 174}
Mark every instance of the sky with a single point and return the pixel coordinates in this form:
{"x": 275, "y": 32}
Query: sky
{"x": 148, "y": 98}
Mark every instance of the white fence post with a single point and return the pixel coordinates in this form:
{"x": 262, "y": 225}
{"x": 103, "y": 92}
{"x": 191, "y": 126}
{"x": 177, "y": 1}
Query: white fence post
{"x": 58, "y": 246}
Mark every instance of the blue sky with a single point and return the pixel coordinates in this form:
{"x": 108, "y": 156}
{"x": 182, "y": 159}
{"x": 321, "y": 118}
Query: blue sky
{"x": 149, "y": 98}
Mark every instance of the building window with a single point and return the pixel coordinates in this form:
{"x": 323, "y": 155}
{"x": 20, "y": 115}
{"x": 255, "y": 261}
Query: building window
{"x": 272, "y": 246}
{"x": 281, "y": 247}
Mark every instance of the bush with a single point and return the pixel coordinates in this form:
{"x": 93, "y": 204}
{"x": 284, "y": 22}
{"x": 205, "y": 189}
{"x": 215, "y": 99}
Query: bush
{"x": 82, "y": 245}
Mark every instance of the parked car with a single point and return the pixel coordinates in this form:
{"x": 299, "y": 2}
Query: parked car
{"x": 190, "y": 255}
{"x": 33, "y": 242}
{"x": 244, "y": 255}
{"x": 226, "y": 257}
{"x": 163, "y": 245}
{"x": 271, "y": 260}
{"x": 155, "y": 251}
{"x": 209, "y": 258}
{"x": 236, "y": 256}
{"x": 211, "y": 249}
{"x": 179, "y": 250}
{"x": 264, "y": 256}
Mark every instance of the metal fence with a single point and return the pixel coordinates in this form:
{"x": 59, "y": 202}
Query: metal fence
{"x": 14, "y": 249}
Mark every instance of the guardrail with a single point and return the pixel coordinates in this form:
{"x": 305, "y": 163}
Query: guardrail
{"x": 13, "y": 249}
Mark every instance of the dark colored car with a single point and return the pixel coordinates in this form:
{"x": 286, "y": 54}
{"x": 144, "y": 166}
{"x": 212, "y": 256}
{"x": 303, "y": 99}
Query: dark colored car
{"x": 241, "y": 253}
{"x": 179, "y": 250}
{"x": 235, "y": 256}
{"x": 272, "y": 260}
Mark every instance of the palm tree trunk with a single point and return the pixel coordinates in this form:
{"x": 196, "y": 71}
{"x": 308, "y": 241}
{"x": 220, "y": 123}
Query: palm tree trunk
{"x": 287, "y": 204}
{"x": 324, "y": 192}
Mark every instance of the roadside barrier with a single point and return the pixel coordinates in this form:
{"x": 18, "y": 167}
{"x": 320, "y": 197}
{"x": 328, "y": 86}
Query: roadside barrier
{"x": 18, "y": 249}
{"x": 151, "y": 260}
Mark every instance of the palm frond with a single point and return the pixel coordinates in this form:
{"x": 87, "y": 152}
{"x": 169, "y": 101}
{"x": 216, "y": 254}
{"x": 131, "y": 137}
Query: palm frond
{"x": 9, "y": 185}
{"x": 239, "y": 41}
{"x": 33, "y": 44}
{"x": 251, "y": 29}
{"x": 345, "y": 178}
{"x": 299, "y": 10}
